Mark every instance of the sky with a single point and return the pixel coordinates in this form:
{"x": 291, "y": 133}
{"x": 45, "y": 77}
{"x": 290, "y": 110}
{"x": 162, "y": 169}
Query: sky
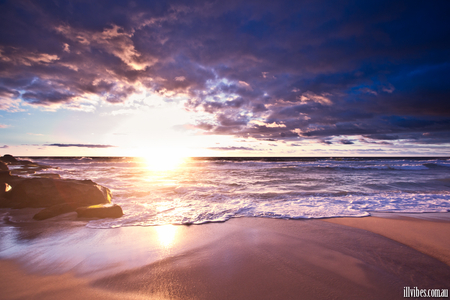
{"x": 224, "y": 78}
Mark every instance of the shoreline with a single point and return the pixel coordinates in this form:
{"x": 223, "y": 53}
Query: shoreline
{"x": 243, "y": 258}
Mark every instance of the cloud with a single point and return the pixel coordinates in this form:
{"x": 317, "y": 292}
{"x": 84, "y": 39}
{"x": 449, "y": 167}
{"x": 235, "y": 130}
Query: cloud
{"x": 4, "y": 126}
{"x": 346, "y": 142}
{"x": 4, "y": 146}
{"x": 231, "y": 148}
{"x": 322, "y": 99}
{"x": 383, "y": 137}
{"x": 80, "y": 145}
{"x": 9, "y": 99}
{"x": 26, "y": 58}
{"x": 260, "y": 69}
{"x": 113, "y": 40}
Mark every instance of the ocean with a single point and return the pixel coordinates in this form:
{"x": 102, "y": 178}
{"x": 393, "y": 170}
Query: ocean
{"x": 202, "y": 190}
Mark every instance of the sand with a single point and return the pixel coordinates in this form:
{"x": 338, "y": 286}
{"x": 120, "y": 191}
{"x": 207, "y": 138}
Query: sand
{"x": 428, "y": 233}
{"x": 246, "y": 258}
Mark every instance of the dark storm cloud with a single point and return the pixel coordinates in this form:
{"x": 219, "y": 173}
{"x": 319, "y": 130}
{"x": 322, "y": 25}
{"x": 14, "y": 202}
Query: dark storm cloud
{"x": 80, "y": 145}
{"x": 346, "y": 142}
{"x": 383, "y": 137}
{"x": 262, "y": 69}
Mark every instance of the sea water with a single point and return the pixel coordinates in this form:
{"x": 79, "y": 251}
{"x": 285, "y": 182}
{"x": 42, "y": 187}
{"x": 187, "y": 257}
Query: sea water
{"x": 202, "y": 190}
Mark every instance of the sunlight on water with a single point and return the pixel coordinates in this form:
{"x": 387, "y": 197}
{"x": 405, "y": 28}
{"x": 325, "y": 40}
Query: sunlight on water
{"x": 166, "y": 234}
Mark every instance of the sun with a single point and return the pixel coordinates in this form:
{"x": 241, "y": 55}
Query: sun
{"x": 164, "y": 159}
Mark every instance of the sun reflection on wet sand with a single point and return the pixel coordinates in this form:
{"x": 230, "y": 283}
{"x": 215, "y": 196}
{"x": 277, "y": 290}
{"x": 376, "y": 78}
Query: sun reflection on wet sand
{"x": 166, "y": 234}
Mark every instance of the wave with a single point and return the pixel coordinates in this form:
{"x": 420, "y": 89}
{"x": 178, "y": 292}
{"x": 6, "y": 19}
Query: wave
{"x": 437, "y": 166}
{"x": 199, "y": 212}
{"x": 217, "y": 189}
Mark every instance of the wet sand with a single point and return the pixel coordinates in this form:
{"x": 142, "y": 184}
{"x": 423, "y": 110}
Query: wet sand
{"x": 246, "y": 258}
{"x": 418, "y": 231}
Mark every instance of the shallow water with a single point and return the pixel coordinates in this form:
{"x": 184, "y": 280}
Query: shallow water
{"x": 205, "y": 190}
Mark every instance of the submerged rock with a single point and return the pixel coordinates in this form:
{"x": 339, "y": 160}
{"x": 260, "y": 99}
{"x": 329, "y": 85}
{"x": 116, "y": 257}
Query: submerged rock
{"x": 24, "y": 171}
{"x": 100, "y": 211}
{"x": 7, "y": 158}
{"x": 48, "y": 175}
{"x": 11, "y": 160}
{"x": 55, "y": 210}
{"x": 24, "y": 166}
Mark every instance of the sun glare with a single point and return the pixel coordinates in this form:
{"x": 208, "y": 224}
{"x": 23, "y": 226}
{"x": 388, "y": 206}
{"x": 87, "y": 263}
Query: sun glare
{"x": 163, "y": 159}
{"x": 166, "y": 234}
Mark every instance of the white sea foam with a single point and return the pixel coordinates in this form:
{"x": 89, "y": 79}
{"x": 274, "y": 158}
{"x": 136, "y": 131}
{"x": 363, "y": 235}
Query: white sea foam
{"x": 202, "y": 191}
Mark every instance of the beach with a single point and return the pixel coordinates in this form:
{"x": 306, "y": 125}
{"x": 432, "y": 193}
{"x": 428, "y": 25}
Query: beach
{"x": 224, "y": 150}
{"x": 372, "y": 257}
{"x": 262, "y": 228}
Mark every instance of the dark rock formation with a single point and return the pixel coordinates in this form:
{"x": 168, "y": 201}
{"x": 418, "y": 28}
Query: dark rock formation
{"x": 58, "y": 196}
{"x": 26, "y": 166}
{"x": 100, "y": 211}
{"x": 55, "y": 210}
{"x": 45, "y": 192}
{"x": 11, "y": 160}
{"x": 4, "y": 188}
{"x": 7, "y": 158}
{"x": 3, "y": 166}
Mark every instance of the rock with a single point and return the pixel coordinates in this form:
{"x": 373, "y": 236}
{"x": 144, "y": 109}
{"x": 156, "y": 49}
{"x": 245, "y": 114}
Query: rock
{"x": 55, "y": 210}
{"x": 22, "y": 172}
{"x": 3, "y": 201}
{"x": 3, "y": 167}
{"x": 26, "y": 167}
{"x": 11, "y": 160}
{"x": 4, "y": 175}
{"x": 100, "y": 211}
{"x": 27, "y": 163}
{"x": 48, "y": 175}
{"x": 7, "y": 158}
{"x": 4, "y": 188}
{"x": 46, "y": 192}
{"x": 58, "y": 196}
